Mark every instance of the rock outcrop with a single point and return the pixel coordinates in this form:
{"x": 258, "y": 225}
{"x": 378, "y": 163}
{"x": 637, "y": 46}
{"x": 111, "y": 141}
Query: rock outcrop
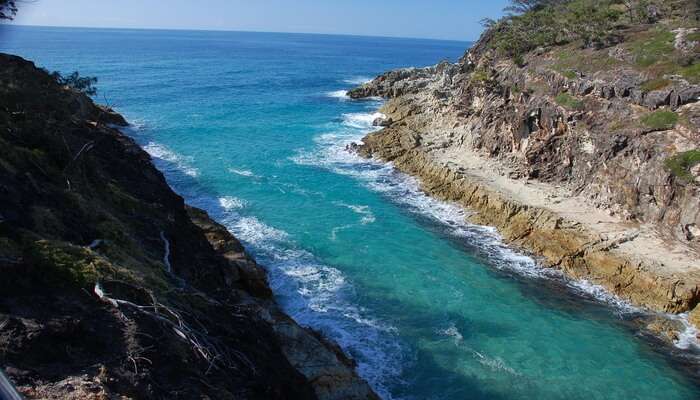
{"x": 570, "y": 155}
{"x": 113, "y": 288}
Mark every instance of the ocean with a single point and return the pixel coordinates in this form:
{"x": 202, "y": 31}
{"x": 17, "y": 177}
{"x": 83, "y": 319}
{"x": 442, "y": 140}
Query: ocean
{"x": 252, "y": 127}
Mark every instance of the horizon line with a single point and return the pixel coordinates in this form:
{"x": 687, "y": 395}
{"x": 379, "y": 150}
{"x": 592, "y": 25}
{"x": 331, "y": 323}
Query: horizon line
{"x": 231, "y": 30}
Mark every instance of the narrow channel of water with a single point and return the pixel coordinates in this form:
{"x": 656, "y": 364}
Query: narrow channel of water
{"x": 252, "y": 127}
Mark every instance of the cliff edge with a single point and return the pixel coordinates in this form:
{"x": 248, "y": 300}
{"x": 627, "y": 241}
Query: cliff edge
{"x": 583, "y": 152}
{"x": 112, "y": 287}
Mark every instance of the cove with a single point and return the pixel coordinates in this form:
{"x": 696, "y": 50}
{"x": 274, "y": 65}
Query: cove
{"x": 253, "y": 128}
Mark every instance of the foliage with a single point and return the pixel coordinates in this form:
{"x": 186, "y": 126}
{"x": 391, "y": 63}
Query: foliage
{"x": 83, "y": 84}
{"x": 660, "y": 120}
{"x": 480, "y": 76}
{"x": 8, "y": 9}
{"x": 568, "y": 101}
{"x": 691, "y": 73}
{"x": 542, "y": 23}
{"x": 654, "y": 49}
{"x": 681, "y": 163}
{"x": 655, "y": 84}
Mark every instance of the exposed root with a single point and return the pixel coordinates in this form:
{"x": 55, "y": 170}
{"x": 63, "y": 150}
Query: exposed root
{"x": 198, "y": 339}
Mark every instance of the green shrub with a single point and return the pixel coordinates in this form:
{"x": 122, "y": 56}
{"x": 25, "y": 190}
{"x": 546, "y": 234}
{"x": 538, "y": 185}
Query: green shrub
{"x": 83, "y": 84}
{"x": 480, "y": 76}
{"x": 660, "y": 120}
{"x": 681, "y": 163}
{"x": 568, "y": 101}
{"x": 547, "y": 23}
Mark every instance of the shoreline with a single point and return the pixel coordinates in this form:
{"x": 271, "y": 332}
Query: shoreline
{"x": 553, "y": 240}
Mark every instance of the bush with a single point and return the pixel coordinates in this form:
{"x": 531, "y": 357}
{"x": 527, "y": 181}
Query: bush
{"x": 660, "y": 120}
{"x": 76, "y": 82}
{"x": 568, "y": 101}
{"x": 543, "y": 23}
{"x": 681, "y": 163}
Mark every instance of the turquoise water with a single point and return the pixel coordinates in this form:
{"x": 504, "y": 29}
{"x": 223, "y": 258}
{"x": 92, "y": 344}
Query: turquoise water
{"x": 252, "y": 127}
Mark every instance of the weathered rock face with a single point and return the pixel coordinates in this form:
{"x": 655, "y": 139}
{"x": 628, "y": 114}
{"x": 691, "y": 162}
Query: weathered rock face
{"x": 583, "y": 132}
{"x": 113, "y": 288}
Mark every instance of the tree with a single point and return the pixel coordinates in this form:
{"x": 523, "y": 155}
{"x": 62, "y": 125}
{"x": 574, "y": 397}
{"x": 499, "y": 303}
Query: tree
{"x": 8, "y": 9}
{"x": 83, "y": 84}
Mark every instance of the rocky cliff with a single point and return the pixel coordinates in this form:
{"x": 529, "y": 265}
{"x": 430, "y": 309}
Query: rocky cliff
{"x": 113, "y": 288}
{"x": 584, "y": 155}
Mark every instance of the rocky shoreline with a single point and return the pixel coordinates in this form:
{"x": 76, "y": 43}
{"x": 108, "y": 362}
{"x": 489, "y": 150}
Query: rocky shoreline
{"x": 114, "y": 288}
{"x": 560, "y": 162}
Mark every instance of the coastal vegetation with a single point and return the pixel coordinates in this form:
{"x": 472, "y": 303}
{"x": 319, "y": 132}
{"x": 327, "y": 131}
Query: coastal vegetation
{"x": 568, "y": 101}
{"x": 681, "y": 164}
{"x": 8, "y": 9}
{"x": 660, "y": 120}
{"x": 595, "y": 24}
{"x": 82, "y": 84}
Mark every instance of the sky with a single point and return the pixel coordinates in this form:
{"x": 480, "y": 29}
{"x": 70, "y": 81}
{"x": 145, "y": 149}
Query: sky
{"x": 435, "y": 19}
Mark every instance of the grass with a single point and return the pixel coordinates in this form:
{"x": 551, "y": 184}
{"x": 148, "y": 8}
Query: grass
{"x": 681, "y": 163}
{"x": 572, "y": 59}
{"x": 570, "y": 74}
{"x": 694, "y": 37}
{"x": 691, "y": 73}
{"x": 655, "y": 84}
{"x": 480, "y": 75}
{"x": 660, "y": 120}
{"x": 568, "y": 101}
{"x": 651, "y": 50}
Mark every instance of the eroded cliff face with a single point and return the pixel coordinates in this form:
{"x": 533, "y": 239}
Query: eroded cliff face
{"x": 571, "y": 155}
{"x": 111, "y": 287}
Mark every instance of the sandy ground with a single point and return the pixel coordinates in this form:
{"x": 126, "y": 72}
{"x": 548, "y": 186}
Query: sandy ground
{"x": 666, "y": 257}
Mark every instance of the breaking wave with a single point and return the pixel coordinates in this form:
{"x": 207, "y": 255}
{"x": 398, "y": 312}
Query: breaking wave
{"x": 182, "y": 163}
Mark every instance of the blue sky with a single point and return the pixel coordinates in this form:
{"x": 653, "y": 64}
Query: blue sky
{"x": 440, "y": 19}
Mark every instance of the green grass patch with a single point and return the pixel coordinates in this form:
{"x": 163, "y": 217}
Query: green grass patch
{"x": 570, "y": 74}
{"x": 480, "y": 75}
{"x": 691, "y": 73}
{"x": 655, "y": 84}
{"x": 651, "y": 50}
{"x": 660, "y": 120}
{"x": 681, "y": 163}
{"x": 693, "y": 37}
{"x": 568, "y": 101}
{"x": 61, "y": 264}
{"x": 571, "y": 59}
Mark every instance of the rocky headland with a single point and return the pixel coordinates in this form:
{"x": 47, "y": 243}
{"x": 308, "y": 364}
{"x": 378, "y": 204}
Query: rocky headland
{"x": 112, "y": 287}
{"x": 587, "y": 156}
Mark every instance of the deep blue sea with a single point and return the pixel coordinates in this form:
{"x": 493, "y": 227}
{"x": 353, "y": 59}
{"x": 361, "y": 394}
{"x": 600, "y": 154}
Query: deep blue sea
{"x": 252, "y": 127}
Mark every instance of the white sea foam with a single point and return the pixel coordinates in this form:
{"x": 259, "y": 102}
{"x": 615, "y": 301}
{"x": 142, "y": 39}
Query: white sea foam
{"x": 405, "y": 190}
{"x": 231, "y": 203}
{"x": 496, "y": 364}
{"x": 241, "y": 172}
{"x": 251, "y": 230}
{"x": 361, "y": 120}
{"x": 688, "y": 338}
{"x": 357, "y": 80}
{"x": 161, "y": 152}
{"x": 365, "y": 212}
{"x": 319, "y": 295}
{"x": 339, "y": 94}
{"x": 453, "y": 333}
